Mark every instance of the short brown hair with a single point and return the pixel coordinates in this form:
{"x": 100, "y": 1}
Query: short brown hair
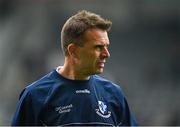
{"x": 76, "y": 25}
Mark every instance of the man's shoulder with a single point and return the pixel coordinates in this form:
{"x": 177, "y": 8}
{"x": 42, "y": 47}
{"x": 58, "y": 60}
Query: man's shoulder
{"x": 109, "y": 86}
{"x": 40, "y": 89}
{"x": 106, "y": 82}
{"x": 43, "y": 86}
{"x": 43, "y": 83}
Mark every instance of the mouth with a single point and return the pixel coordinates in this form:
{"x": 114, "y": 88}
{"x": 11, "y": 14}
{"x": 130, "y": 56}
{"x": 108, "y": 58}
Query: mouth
{"x": 101, "y": 64}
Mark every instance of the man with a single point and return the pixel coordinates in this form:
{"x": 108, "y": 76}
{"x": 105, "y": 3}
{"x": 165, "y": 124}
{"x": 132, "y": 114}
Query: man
{"x": 73, "y": 94}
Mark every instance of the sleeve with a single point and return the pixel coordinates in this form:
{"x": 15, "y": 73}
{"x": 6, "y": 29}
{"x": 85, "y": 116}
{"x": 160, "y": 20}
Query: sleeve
{"x": 24, "y": 111}
{"x": 128, "y": 117}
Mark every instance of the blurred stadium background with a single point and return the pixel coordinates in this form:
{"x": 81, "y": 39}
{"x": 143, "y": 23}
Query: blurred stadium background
{"x": 145, "y": 51}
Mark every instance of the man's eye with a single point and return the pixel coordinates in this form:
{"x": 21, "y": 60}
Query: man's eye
{"x": 99, "y": 47}
{"x": 107, "y": 46}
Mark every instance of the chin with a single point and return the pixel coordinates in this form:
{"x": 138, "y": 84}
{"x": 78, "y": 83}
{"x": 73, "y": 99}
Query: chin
{"x": 99, "y": 71}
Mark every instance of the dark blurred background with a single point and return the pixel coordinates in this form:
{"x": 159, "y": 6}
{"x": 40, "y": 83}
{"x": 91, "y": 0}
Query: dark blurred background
{"x": 145, "y": 51}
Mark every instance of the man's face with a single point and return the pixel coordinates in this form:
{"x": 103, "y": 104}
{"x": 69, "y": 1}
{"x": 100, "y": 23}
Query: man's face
{"x": 93, "y": 54}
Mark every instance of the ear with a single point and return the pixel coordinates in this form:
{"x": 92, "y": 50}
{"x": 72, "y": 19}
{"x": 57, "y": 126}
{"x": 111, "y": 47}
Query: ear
{"x": 72, "y": 50}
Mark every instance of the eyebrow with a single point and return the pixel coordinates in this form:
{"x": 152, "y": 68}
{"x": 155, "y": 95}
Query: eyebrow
{"x": 102, "y": 44}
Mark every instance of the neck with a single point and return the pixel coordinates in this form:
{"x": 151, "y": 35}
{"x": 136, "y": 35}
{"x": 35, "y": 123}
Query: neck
{"x": 70, "y": 71}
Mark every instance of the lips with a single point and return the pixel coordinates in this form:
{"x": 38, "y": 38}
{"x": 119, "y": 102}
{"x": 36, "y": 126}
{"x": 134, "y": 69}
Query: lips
{"x": 101, "y": 64}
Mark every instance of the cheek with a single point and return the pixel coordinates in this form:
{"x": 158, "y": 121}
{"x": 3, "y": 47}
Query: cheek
{"x": 92, "y": 56}
{"x": 89, "y": 57}
{"x": 85, "y": 58}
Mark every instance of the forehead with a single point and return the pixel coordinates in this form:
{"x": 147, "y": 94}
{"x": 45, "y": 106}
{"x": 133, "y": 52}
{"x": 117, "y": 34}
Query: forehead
{"x": 95, "y": 35}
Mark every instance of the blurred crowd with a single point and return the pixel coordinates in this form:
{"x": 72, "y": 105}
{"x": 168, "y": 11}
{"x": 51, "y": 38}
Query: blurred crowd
{"x": 145, "y": 51}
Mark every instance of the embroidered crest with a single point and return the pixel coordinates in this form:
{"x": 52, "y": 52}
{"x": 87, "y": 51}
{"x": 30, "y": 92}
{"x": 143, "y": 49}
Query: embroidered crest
{"x": 103, "y": 111}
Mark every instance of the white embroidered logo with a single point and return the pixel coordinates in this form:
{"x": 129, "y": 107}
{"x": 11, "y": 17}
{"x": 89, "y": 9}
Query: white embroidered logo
{"x": 83, "y": 91}
{"x": 64, "y": 109}
{"x": 102, "y": 111}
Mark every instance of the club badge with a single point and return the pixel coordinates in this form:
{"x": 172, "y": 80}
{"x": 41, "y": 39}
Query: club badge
{"x": 102, "y": 110}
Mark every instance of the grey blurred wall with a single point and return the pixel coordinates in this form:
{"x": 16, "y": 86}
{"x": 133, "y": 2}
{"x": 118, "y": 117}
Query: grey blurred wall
{"x": 145, "y": 51}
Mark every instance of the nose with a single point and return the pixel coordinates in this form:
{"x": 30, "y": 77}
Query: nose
{"x": 105, "y": 53}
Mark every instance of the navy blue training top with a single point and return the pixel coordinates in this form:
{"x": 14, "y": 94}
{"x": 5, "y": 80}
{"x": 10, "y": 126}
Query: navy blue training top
{"x": 55, "y": 100}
